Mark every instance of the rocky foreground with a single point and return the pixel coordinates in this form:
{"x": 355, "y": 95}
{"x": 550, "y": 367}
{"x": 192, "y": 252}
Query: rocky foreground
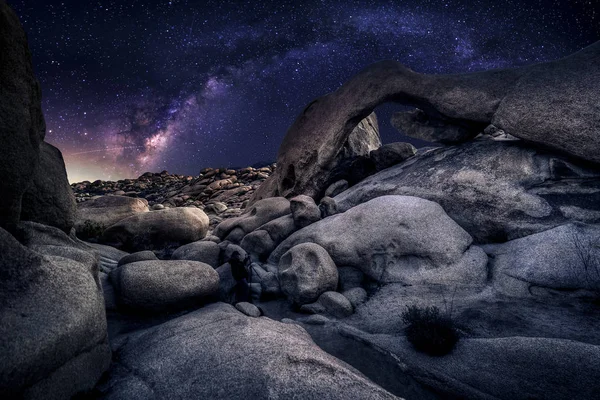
{"x": 353, "y": 270}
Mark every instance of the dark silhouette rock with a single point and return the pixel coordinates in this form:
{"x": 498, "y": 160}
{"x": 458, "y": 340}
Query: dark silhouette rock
{"x": 49, "y": 199}
{"x": 22, "y": 125}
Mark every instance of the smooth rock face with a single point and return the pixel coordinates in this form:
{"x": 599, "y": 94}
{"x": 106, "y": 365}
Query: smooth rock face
{"x": 52, "y": 323}
{"x": 164, "y": 285}
{"x": 324, "y": 160}
{"x": 556, "y": 104}
{"x": 202, "y": 251}
{"x": 305, "y": 272}
{"x": 304, "y": 211}
{"x": 158, "y": 229}
{"x": 108, "y": 210}
{"x": 391, "y": 154}
{"x": 553, "y": 104}
{"x": 505, "y": 368}
{"x": 49, "y": 199}
{"x": 566, "y": 258}
{"x": 234, "y": 229}
{"x": 22, "y": 125}
{"x": 262, "y": 241}
{"x": 145, "y": 255}
{"x": 236, "y": 357}
{"x": 395, "y": 239}
{"x": 496, "y": 191}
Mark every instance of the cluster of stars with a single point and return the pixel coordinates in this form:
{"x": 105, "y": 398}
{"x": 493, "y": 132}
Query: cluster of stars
{"x": 184, "y": 84}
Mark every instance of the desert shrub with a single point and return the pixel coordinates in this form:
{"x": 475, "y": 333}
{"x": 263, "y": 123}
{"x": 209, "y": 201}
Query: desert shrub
{"x": 430, "y": 331}
{"x": 90, "y": 230}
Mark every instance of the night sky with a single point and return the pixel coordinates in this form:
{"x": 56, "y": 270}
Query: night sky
{"x": 134, "y": 86}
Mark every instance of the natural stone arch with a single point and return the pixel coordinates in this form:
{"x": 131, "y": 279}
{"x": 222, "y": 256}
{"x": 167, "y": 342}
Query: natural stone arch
{"x": 553, "y": 104}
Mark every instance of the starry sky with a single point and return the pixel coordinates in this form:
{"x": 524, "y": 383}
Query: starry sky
{"x": 134, "y": 86}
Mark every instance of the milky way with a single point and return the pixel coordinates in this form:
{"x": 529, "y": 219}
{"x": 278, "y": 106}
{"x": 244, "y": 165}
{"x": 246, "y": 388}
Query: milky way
{"x": 135, "y": 86}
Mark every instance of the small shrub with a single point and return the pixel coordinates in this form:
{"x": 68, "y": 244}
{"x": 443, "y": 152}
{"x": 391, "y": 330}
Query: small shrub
{"x": 430, "y": 331}
{"x": 90, "y": 230}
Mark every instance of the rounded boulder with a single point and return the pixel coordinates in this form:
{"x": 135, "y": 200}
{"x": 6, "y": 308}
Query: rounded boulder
{"x": 305, "y": 272}
{"x": 164, "y": 285}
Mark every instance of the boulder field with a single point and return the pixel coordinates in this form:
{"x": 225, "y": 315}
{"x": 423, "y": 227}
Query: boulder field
{"x": 305, "y": 279}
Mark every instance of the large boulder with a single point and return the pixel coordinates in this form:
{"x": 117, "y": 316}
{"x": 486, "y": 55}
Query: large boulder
{"x": 234, "y": 229}
{"x": 49, "y": 199}
{"x": 158, "y": 229}
{"x": 565, "y": 259}
{"x": 203, "y": 251}
{"x": 496, "y": 191}
{"x": 307, "y": 156}
{"x": 219, "y": 353}
{"x": 554, "y": 105}
{"x": 52, "y": 322}
{"x": 305, "y": 272}
{"x": 396, "y": 239}
{"x": 105, "y": 211}
{"x": 22, "y": 125}
{"x": 157, "y": 285}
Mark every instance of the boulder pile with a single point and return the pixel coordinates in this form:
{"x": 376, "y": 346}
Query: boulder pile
{"x": 295, "y": 282}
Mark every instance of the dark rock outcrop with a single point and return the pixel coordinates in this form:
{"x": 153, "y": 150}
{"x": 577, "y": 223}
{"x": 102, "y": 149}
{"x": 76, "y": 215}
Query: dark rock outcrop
{"x": 49, "y": 199}
{"x": 496, "y": 191}
{"x": 52, "y": 319}
{"x": 554, "y": 105}
{"x": 22, "y": 125}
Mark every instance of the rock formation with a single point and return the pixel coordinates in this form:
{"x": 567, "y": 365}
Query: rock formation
{"x": 497, "y": 238}
{"x": 495, "y": 190}
{"x": 49, "y": 199}
{"x": 52, "y": 319}
{"x": 554, "y": 104}
{"x": 22, "y": 125}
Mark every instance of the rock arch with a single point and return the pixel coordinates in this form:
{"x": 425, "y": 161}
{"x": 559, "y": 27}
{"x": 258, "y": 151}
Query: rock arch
{"x": 554, "y": 104}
